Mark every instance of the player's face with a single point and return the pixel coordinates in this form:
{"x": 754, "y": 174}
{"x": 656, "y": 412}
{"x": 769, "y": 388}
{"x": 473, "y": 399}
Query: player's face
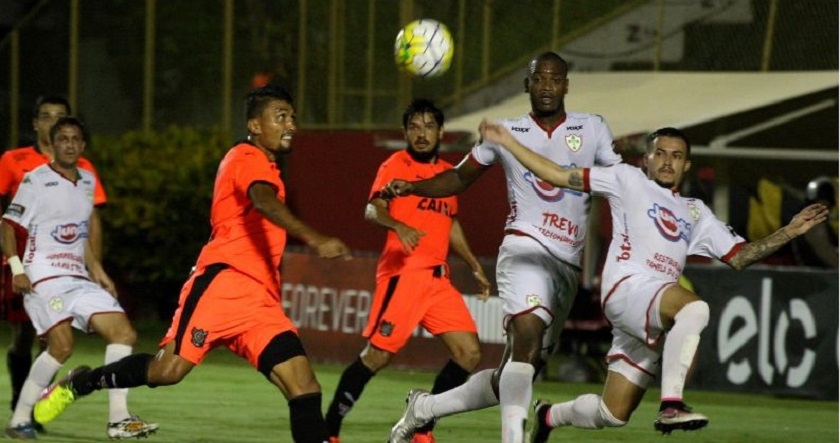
{"x": 68, "y": 144}
{"x": 275, "y": 127}
{"x": 423, "y": 135}
{"x": 48, "y": 114}
{"x": 547, "y": 85}
{"x": 667, "y": 162}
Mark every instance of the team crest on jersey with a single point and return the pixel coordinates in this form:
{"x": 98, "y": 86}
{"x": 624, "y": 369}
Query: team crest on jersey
{"x": 70, "y": 233}
{"x": 56, "y": 304}
{"x": 671, "y": 227}
{"x": 199, "y": 336}
{"x": 694, "y": 210}
{"x": 533, "y": 300}
{"x": 386, "y": 328}
{"x": 574, "y": 142}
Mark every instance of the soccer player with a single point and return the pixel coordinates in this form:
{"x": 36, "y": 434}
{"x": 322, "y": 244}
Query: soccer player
{"x": 232, "y": 298}
{"x": 412, "y": 281}
{"x": 14, "y": 164}
{"x": 63, "y": 283}
{"x": 654, "y": 230}
{"x": 538, "y": 263}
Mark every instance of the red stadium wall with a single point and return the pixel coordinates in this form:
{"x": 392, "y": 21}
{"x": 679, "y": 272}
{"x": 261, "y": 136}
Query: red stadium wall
{"x": 328, "y": 178}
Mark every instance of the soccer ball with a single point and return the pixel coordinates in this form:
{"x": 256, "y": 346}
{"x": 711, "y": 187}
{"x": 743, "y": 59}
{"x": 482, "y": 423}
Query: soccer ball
{"x": 424, "y": 48}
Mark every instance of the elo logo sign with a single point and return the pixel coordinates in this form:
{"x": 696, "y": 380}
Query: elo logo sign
{"x": 771, "y": 333}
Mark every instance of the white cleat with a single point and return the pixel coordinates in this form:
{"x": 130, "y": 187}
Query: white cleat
{"x": 403, "y": 431}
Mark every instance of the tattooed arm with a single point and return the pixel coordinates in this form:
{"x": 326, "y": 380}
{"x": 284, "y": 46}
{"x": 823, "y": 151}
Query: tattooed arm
{"x": 544, "y": 168}
{"x": 759, "y": 249}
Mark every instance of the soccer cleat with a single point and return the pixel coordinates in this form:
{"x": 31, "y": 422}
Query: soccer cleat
{"x": 56, "y": 398}
{"x": 423, "y": 437}
{"x": 131, "y": 427}
{"x": 403, "y": 431}
{"x": 540, "y": 430}
{"x": 670, "y": 419}
{"x": 23, "y": 431}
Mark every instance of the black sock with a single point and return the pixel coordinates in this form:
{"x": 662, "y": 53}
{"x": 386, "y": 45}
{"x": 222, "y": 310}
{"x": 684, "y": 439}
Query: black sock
{"x": 127, "y": 372}
{"x": 307, "y": 422}
{"x": 347, "y": 393}
{"x": 671, "y": 404}
{"x": 449, "y": 377}
{"x": 18, "y": 366}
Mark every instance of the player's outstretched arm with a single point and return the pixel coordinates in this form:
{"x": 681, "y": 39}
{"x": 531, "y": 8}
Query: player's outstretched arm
{"x": 450, "y": 182}
{"x": 544, "y": 168}
{"x": 759, "y": 249}
{"x": 265, "y": 201}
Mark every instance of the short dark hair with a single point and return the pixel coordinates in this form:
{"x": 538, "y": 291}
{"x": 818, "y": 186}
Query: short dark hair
{"x": 422, "y": 106}
{"x": 258, "y": 98}
{"x": 50, "y": 100}
{"x": 68, "y": 120}
{"x": 544, "y": 56}
{"x": 669, "y": 132}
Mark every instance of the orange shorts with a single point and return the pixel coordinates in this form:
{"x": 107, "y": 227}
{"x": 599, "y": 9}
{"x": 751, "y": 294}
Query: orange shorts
{"x": 418, "y": 297}
{"x": 222, "y": 307}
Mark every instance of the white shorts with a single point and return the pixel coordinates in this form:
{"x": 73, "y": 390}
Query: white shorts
{"x": 57, "y": 299}
{"x": 632, "y": 308}
{"x": 531, "y": 280}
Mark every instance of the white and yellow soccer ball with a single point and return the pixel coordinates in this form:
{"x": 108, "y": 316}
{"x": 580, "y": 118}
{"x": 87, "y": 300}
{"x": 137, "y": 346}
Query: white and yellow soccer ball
{"x": 424, "y": 48}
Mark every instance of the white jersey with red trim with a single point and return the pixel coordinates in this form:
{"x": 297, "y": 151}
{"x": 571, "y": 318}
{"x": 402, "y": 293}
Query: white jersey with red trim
{"x": 55, "y": 213}
{"x": 555, "y": 217}
{"x": 655, "y": 229}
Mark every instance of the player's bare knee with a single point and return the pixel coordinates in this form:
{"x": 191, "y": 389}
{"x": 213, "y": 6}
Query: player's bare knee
{"x": 166, "y": 373}
{"x": 61, "y": 352}
{"x": 374, "y": 358}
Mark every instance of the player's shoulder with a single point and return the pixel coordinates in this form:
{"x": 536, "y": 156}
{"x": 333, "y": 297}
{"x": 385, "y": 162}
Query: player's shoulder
{"x": 85, "y": 164}
{"x": 40, "y": 173}
{"x": 522, "y": 121}
{"x": 697, "y": 208}
{"x": 18, "y": 154}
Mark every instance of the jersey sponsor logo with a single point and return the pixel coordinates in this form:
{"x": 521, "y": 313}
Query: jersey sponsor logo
{"x": 50, "y": 184}
{"x": 198, "y": 337}
{"x": 574, "y": 128}
{"x": 70, "y": 232}
{"x": 545, "y": 190}
{"x": 671, "y": 227}
{"x": 574, "y": 142}
{"x": 561, "y": 223}
{"x": 16, "y": 210}
{"x": 518, "y": 129}
{"x": 433, "y": 204}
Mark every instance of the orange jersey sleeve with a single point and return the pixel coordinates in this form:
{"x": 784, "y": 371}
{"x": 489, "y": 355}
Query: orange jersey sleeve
{"x": 241, "y": 237}
{"x": 433, "y": 216}
{"x": 16, "y": 163}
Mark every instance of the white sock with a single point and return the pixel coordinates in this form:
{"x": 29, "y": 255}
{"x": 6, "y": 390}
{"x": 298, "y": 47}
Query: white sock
{"x": 476, "y": 393}
{"x": 514, "y": 396}
{"x": 587, "y": 411}
{"x": 40, "y": 376}
{"x": 681, "y": 346}
{"x": 117, "y": 398}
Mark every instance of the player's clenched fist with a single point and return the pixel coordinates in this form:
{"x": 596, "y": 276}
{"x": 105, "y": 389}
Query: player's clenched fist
{"x": 332, "y": 247}
{"x": 397, "y": 188}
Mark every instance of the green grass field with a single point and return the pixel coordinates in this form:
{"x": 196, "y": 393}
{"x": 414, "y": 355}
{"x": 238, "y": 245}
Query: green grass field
{"x": 225, "y": 400}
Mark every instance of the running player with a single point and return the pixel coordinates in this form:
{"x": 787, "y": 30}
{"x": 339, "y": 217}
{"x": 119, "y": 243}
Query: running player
{"x": 14, "y": 164}
{"x": 63, "y": 282}
{"x": 538, "y": 264}
{"x": 412, "y": 279}
{"x": 654, "y": 230}
{"x": 232, "y": 298}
